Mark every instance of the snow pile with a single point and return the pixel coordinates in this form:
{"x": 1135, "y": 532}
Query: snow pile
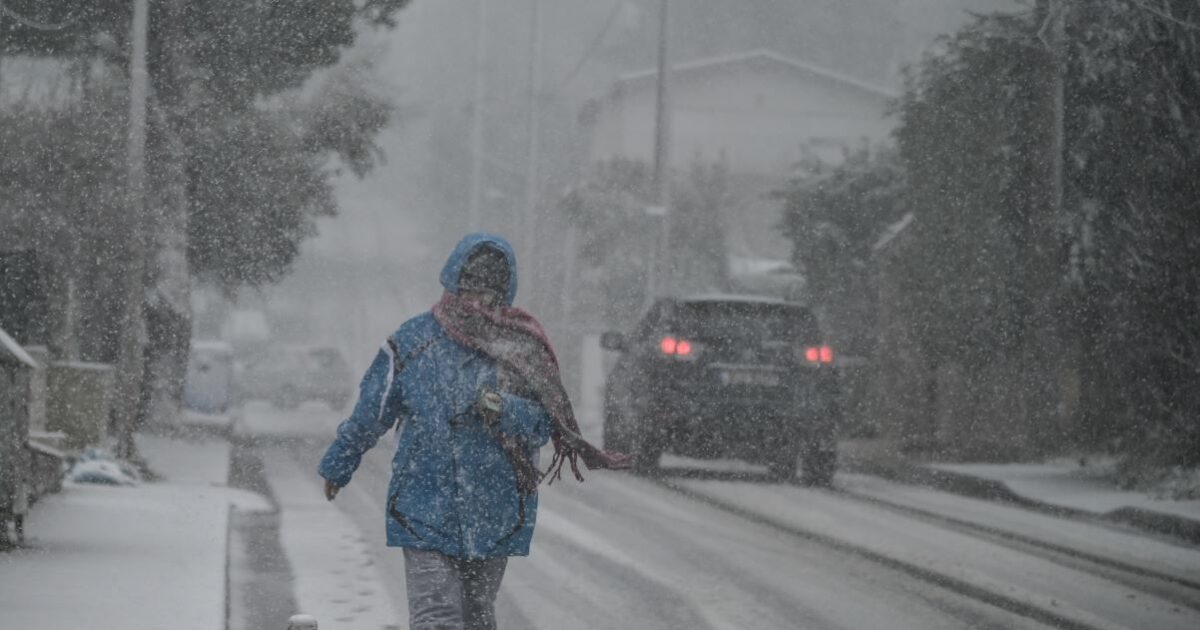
{"x": 1165, "y": 484}
{"x": 1077, "y": 487}
{"x": 1179, "y": 484}
{"x": 97, "y": 466}
{"x": 302, "y": 622}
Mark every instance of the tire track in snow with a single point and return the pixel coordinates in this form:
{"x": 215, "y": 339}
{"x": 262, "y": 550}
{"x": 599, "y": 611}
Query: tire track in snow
{"x": 754, "y": 576}
{"x": 843, "y": 524}
{"x": 1176, "y": 586}
{"x": 602, "y": 590}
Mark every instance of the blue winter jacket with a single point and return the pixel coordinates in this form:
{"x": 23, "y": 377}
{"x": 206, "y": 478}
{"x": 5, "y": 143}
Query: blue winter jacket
{"x": 453, "y": 489}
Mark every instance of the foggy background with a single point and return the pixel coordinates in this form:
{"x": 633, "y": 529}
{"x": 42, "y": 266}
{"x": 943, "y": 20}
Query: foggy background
{"x": 375, "y": 264}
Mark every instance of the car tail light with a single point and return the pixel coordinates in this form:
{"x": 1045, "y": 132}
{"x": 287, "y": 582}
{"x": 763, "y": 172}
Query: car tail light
{"x": 681, "y": 348}
{"x": 818, "y": 354}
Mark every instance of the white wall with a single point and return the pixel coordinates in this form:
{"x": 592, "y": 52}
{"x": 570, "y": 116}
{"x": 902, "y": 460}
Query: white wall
{"x": 757, "y": 117}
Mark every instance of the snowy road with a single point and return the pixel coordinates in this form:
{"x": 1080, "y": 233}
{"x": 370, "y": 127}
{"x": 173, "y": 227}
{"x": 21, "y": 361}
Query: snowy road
{"x": 706, "y": 550}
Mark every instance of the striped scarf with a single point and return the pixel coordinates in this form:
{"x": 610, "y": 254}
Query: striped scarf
{"x": 513, "y": 338}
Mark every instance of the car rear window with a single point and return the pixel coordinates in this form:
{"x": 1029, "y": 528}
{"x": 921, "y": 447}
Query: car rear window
{"x": 715, "y": 320}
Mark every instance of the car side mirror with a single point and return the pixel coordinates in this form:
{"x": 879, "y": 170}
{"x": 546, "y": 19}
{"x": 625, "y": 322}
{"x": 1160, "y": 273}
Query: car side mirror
{"x": 614, "y": 341}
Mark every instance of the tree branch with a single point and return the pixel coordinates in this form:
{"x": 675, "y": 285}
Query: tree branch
{"x": 1164, "y": 15}
{"x": 33, "y": 24}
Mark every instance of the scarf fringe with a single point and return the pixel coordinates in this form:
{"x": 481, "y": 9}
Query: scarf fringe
{"x": 562, "y": 455}
{"x": 513, "y": 337}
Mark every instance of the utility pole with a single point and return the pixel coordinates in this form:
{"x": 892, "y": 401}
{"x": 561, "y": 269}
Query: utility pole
{"x": 133, "y": 326}
{"x": 1053, "y": 36}
{"x": 1049, "y": 340}
{"x": 1060, "y": 80}
{"x": 473, "y": 212}
{"x": 660, "y": 277}
{"x": 533, "y": 154}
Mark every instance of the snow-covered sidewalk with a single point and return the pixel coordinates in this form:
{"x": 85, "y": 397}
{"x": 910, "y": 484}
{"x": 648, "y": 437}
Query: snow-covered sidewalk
{"x": 1071, "y": 488}
{"x": 143, "y": 557}
{"x": 1060, "y": 486}
{"x": 337, "y": 579}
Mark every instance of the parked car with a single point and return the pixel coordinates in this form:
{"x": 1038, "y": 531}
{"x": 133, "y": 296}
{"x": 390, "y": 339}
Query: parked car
{"x": 290, "y": 375}
{"x": 725, "y": 376}
{"x": 208, "y": 386}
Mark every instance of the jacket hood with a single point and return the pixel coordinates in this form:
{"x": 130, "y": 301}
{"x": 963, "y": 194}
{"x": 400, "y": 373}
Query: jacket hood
{"x": 469, "y": 245}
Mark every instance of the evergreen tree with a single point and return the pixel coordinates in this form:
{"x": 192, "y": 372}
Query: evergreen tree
{"x": 237, "y": 177}
{"x": 1069, "y": 325}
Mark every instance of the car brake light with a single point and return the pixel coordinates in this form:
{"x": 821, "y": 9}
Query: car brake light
{"x": 676, "y": 347}
{"x": 819, "y": 354}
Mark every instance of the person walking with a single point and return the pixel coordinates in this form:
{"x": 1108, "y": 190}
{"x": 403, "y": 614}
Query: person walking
{"x": 474, "y": 390}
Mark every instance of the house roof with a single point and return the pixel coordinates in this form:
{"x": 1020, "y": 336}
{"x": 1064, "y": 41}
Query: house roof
{"x": 11, "y": 351}
{"x": 765, "y": 58}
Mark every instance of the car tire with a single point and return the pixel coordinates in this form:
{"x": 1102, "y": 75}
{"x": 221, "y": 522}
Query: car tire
{"x": 646, "y": 453}
{"x": 616, "y": 435}
{"x": 819, "y": 467}
{"x": 784, "y": 468}
{"x": 646, "y": 459}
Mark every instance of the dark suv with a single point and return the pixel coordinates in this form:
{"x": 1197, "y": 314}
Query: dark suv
{"x": 725, "y": 376}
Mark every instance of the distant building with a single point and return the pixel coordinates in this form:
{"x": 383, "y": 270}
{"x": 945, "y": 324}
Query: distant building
{"x": 760, "y": 111}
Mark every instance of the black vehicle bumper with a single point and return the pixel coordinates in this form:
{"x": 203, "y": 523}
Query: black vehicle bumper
{"x": 742, "y": 423}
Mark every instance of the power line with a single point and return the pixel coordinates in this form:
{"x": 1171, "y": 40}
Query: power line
{"x": 34, "y": 24}
{"x": 1164, "y": 15}
{"x": 595, "y": 44}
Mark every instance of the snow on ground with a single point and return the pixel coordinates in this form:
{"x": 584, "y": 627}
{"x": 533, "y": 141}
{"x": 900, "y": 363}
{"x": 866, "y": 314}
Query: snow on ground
{"x": 144, "y": 557}
{"x": 336, "y": 577}
{"x": 1088, "y": 599}
{"x": 199, "y": 420}
{"x": 203, "y": 461}
{"x": 623, "y": 552}
{"x": 1063, "y": 484}
{"x": 1094, "y": 539}
{"x": 311, "y": 419}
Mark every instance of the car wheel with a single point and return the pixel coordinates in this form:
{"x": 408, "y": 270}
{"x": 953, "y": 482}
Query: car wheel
{"x": 785, "y": 465}
{"x": 616, "y": 435}
{"x": 647, "y": 453}
{"x": 645, "y": 459}
{"x": 819, "y": 466}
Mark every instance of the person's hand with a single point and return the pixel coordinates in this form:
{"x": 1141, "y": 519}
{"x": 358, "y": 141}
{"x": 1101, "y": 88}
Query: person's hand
{"x": 489, "y": 405}
{"x": 331, "y": 490}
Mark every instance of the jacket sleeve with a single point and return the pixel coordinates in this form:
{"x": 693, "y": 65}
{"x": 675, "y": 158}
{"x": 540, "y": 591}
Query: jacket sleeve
{"x": 525, "y": 420}
{"x": 379, "y": 403}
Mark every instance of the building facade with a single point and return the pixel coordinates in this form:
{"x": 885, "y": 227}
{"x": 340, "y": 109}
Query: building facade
{"x": 759, "y": 111}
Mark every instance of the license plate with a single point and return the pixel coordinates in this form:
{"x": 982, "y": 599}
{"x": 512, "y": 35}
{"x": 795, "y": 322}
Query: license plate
{"x": 755, "y": 378}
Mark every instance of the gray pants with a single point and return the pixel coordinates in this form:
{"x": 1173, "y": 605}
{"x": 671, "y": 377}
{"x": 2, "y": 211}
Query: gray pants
{"x": 447, "y": 593}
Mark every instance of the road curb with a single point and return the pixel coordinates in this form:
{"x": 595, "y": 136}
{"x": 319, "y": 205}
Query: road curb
{"x": 1179, "y": 527}
{"x": 904, "y": 471}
